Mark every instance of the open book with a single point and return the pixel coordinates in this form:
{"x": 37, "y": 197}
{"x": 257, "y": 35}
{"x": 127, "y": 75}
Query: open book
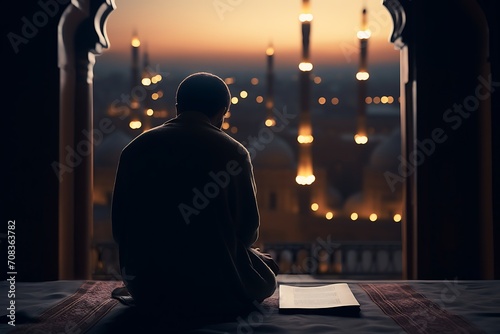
{"x": 331, "y": 298}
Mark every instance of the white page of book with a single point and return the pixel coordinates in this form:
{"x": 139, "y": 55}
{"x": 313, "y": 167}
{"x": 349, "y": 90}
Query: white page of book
{"x": 325, "y": 296}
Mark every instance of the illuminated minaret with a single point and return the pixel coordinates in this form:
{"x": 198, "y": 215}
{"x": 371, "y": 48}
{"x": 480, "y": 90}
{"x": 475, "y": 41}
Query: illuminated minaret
{"x": 305, "y": 175}
{"x": 361, "y": 136}
{"x": 270, "y": 120}
{"x": 147, "y": 110}
{"x": 135, "y": 81}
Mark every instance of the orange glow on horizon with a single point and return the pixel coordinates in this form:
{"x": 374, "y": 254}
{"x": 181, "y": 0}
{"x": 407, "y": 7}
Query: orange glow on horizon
{"x": 237, "y": 37}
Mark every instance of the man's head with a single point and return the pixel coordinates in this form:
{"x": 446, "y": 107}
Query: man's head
{"x": 203, "y": 92}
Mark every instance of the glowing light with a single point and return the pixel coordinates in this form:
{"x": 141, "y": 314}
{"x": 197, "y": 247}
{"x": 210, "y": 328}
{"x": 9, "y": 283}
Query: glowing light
{"x": 269, "y": 104}
{"x": 305, "y": 180}
{"x": 384, "y": 99}
{"x": 155, "y": 96}
{"x": 135, "y": 125}
{"x": 329, "y": 215}
{"x": 225, "y": 125}
{"x": 270, "y": 51}
{"x": 364, "y": 34}
{"x": 397, "y": 217}
{"x": 362, "y": 75}
{"x": 135, "y": 42}
{"x": 376, "y": 100}
{"x": 305, "y": 17}
{"x": 229, "y": 81}
{"x": 234, "y": 100}
{"x": 161, "y": 114}
{"x": 156, "y": 78}
{"x": 254, "y": 81}
{"x": 150, "y": 112}
{"x": 305, "y": 139}
{"x": 317, "y": 80}
{"x": 360, "y": 139}
{"x": 354, "y": 216}
{"x": 259, "y": 99}
{"x": 368, "y": 100}
{"x": 134, "y": 104}
{"x": 335, "y": 101}
{"x": 315, "y": 206}
{"x": 243, "y": 94}
{"x": 234, "y": 129}
{"x": 391, "y": 99}
{"x": 373, "y": 217}
{"x": 305, "y": 66}
{"x": 322, "y": 100}
{"x": 227, "y": 114}
{"x": 270, "y": 122}
{"x": 146, "y": 81}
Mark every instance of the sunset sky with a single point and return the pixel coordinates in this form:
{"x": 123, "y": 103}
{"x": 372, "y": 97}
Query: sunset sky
{"x": 237, "y": 32}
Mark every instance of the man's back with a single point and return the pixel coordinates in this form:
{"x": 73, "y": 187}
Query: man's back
{"x": 184, "y": 216}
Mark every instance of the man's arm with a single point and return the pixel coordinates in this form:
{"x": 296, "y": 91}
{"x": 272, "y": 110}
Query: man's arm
{"x": 249, "y": 228}
{"x": 122, "y": 192}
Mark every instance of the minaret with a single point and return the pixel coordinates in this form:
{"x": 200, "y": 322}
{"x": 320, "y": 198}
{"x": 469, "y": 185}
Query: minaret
{"x": 135, "y": 82}
{"x": 147, "y": 111}
{"x": 361, "y": 136}
{"x": 270, "y": 120}
{"x": 305, "y": 174}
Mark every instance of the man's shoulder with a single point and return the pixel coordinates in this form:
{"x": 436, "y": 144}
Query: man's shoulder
{"x": 202, "y": 133}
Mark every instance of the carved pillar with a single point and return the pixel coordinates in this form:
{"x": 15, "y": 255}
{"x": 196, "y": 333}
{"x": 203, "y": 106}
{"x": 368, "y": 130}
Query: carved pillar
{"x": 491, "y": 9}
{"x": 407, "y": 105}
{"x": 79, "y": 40}
{"x": 446, "y": 163}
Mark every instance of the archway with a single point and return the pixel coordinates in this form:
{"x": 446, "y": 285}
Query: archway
{"x": 414, "y": 235}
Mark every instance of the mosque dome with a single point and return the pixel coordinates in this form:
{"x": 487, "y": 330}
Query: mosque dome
{"x": 385, "y": 155}
{"x": 277, "y": 154}
{"x": 334, "y": 197}
{"x": 107, "y": 153}
{"x": 356, "y": 203}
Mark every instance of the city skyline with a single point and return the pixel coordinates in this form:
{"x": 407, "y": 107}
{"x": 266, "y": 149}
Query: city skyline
{"x": 233, "y": 34}
{"x": 326, "y": 107}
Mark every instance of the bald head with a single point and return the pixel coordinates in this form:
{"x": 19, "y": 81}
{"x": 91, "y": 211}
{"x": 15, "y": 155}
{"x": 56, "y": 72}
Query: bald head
{"x": 203, "y": 92}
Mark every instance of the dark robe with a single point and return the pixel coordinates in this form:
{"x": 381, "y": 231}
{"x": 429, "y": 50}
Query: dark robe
{"x": 185, "y": 216}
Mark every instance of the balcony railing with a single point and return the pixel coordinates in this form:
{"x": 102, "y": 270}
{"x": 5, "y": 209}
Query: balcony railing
{"x": 325, "y": 258}
{"x": 348, "y": 259}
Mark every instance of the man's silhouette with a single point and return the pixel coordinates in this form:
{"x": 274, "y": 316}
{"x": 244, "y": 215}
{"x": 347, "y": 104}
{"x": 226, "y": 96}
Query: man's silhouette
{"x": 184, "y": 211}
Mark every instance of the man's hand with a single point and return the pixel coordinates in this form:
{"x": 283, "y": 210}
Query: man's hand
{"x": 266, "y": 257}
